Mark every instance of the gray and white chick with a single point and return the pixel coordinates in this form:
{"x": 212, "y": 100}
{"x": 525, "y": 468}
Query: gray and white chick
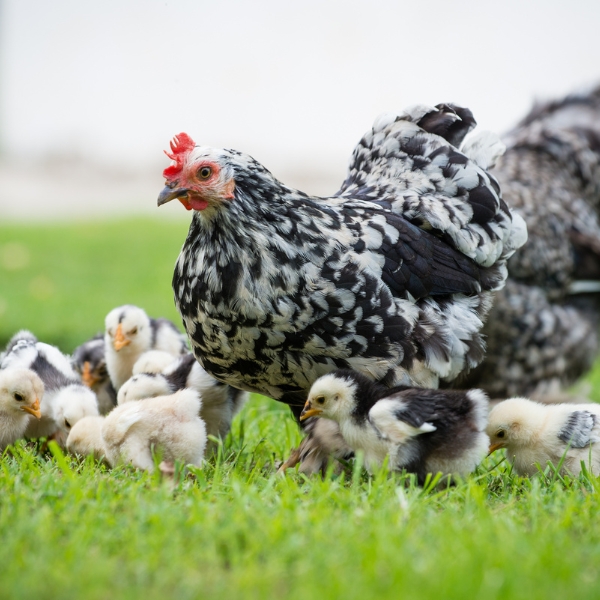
{"x": 535, "y": 433}
{"x": 65, "y": 398}
{"x": 90, "y": 363}
{"x": 20, "y": 393}
{"x": 169, "y": 424}
{"x": 220, "y": 402}
{"x": 420, "y": 430}
{"x": 129, "y": 332}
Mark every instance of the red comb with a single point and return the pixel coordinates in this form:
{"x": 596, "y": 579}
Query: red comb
{"x": 181, "y": 145}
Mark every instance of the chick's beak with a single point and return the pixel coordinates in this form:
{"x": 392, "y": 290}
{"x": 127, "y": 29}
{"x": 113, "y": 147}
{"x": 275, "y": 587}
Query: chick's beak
{"x": 34, "y": 409}
{"x": 87, "y": 376}
{"x": 170, "y": 193}
{"x": 120, "y": 340}
{"x": 309, "y": 411}
{"x": 494, "y": 447}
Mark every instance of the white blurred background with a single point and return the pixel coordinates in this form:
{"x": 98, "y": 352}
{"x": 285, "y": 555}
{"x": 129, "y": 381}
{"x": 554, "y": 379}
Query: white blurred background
{"x": 92, "y": 91}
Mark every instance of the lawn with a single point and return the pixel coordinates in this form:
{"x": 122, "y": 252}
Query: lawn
{"x": 71, "y": 528}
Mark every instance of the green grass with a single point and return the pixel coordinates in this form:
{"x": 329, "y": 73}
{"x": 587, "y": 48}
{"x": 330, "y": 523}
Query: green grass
{"x": 71, "y": 528}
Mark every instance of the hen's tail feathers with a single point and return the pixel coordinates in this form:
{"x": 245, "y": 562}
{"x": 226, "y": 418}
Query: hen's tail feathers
{"x": 410, "y": 163}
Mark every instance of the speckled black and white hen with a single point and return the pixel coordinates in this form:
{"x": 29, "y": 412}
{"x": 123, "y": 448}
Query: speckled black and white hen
{"x": 391, "y": 276}
{"x": 542, "y": 333}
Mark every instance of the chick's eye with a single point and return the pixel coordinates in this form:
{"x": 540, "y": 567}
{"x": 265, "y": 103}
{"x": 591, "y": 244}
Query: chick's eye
{"x": 205, "y": 172}
{"x": 67, "y": 424}
{"x": 18, "y": 397}
{"x": 133, "y": 331}
{"x": 501, "y": 434}
{"x": 320, "y": 399}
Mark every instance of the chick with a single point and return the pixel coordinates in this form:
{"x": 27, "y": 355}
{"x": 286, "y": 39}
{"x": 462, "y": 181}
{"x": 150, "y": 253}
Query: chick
{"x": 90, "y": 363}
{"x": 169, "y": 424}
{"x": 129, "y": 333}
{"x": 65, "y": 398}
{"x": 220, "y": 402}
{"x": 20, "y": 393}
{"x": 420, "y": 430}
{"x": 535, "y": 433}
{"x": 85, "y": 437}
{"x": 153, "y": 361}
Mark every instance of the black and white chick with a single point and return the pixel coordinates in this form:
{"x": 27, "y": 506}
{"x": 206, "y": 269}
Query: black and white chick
{"x": 420, "y": 430}
{"x": 89, "y": 361}
{"x": 20, "y": 393}
{"x": 220, "y": 402}
{"x": 391, "y": 276}
{"x": 129, "y": 332}
{"x": 65, "y": 398}
{"x": 535, "y": 433}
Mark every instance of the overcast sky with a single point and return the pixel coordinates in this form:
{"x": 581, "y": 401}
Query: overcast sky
{"x": 294, "y": 84}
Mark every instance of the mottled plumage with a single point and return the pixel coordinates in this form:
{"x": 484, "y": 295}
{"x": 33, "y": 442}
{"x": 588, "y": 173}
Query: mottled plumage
{"x": 535, "y": 434}
{"x": 420, "y": 430}
{"x": 392, "y": 276}
{"x": 542, "y": 332}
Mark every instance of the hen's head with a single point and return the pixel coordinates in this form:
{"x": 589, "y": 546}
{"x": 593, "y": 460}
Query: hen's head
{"x": 199, "y": 176}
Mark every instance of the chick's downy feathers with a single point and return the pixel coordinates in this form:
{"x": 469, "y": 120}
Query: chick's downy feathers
{"x": 535, "y": 434}
{"x": 422, "y": 431}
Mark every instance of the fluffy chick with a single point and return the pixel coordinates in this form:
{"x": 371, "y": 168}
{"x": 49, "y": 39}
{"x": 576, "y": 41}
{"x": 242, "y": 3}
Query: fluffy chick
{"x": 220, "y": 402}
{"x": 169, "y": 423}
{"x": 153, "y": 361}
{"x": 20, "y": 393}
{"x": 90, "y": 363}
{"x": 420, "y": 430}
{"x": 129, "y": 333}
{"x": 65, "y": 398}
{"x": 535, "y": 433}
{"x": 85, "y": 437}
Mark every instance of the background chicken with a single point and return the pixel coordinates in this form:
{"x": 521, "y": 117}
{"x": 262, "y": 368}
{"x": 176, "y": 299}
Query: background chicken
{"x": 392, "y": 276}
{"x": 542, "y": 332}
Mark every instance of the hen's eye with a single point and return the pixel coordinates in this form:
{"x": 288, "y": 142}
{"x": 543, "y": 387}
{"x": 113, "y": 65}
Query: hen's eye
{"x": 18, "y": 397}
{"x": 205, "y": 172}
{"x": 501, "y": 434}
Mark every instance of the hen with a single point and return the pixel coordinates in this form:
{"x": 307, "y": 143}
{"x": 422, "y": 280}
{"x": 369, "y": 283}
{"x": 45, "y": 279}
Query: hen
{"x": 391, "y": 276}
{"x": 542, "y": 332}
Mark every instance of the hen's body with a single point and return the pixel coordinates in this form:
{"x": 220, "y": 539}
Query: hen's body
{"x": 391, "y": 277}
{"x": 542, "y": 332}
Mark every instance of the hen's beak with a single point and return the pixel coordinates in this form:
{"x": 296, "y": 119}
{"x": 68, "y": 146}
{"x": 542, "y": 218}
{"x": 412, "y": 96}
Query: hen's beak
{"x": 494, "y": 447}
{"x": 309, "y": 411}
{"x": 87, "y": 376}
{"x": 120, "y": 340}
{"x": 34, "y": 409}
{"x": 170, "y": 193}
